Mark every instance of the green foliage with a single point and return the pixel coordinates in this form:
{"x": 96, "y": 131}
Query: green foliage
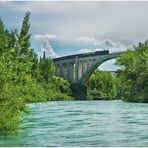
{"x": 60, "y": 97}
{"x": 57, "y": 90}
{"x": 14, "y": 74}
{"x": 10, "y": 112}
{"x": 24, "y": 79}
{"x": 103, "y": 84}
{"x": 62, "y": 85}
{"x": 134, "y": 75}
{"x": 24, "y": 36}
{"x": 46, "y": 70}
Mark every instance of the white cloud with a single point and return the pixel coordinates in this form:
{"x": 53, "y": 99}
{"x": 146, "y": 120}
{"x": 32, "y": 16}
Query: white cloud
{"x": 112, "y": 46}
{"x": 106, "y": 44}
{"x": 85, "y": 50}
{"x": 114, "y": 50}
{"x": 98, "y": 45}
{"x": 86, "y": 39}
{"x": 98, "y": 49}
{"x": 97, "y": 18}
{"x": 46, "y": 46}
{"x": 3, "y": 2}
{"x": 44, "y": 37}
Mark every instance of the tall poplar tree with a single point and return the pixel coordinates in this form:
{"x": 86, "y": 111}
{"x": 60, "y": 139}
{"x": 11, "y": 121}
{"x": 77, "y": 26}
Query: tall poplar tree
{"x": 24, "y": 43}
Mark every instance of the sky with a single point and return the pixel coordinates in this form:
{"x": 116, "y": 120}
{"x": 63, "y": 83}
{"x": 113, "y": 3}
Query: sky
{"x": 66, "y": 27}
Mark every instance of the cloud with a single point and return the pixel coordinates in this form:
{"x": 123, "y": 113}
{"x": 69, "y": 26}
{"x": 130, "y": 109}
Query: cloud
{"x": 97, "y": 25}
{"x": 44, "y": 37}
{"x": 3, "y": 2}
{"x": 86, "y": 39}
{"x": 98, "y": 45}
{"x": 98, "y": 49}
{"x": 112, "y": 46}
{"x": 85, "y": 50}
{"x": 114, "y": 50}
{"x": 104, "y": 45}
{"x": 46, "y": 46}
{"x": 97, "y": 18}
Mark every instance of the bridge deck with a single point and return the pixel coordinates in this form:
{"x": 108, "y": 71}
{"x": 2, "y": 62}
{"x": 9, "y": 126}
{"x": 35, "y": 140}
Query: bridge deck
{"x": 82, "y": 55}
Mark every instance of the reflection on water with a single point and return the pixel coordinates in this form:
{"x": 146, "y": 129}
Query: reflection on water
{"x": 83, "y": 123}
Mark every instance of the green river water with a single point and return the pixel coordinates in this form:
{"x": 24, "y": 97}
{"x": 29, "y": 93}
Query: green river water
{"x": 83, "y": 123}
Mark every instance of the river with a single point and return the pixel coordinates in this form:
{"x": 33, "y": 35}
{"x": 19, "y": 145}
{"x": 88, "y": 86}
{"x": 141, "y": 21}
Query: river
{"x": 83, "y": 123}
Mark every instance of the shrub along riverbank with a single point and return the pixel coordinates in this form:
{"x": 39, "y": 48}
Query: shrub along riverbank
{"x": 25, "y": 79}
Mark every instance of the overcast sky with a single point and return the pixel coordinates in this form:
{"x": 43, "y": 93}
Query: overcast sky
{"x": 63, "y": 28}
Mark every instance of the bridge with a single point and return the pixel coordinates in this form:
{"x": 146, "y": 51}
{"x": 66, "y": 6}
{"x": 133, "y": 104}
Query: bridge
{"x": 78, "y": 68}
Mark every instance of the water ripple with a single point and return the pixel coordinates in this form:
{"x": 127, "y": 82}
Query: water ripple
{"x": 83, "y": 123}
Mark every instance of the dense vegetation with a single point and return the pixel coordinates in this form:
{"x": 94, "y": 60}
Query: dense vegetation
{"x": 102, "y": 85}
{"x": 133, "y": 77}
{"x": 24, "y": 78}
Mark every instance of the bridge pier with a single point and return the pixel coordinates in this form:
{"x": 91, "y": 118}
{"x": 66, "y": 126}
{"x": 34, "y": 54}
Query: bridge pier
{"x": 80, "y": 69}
{"x": 64, "y": 71}
{"x": 70, "y": 72}
{"x": 58, "y": 70}
{"x": 77, "y": 69}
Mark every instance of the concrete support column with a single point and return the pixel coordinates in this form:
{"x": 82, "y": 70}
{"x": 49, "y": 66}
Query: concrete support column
{"x": 80, "y": 70}
{"x": 85, "y": 66}
{"x": 58, "y": 70}
{"x": 64, "y": 71}
{"x": 94, "y": 61}
{"x": 70, "y": 72}
{"x": 89, "y": 63}
{"x": 77, "y": 69}
{"x": 61, "y": 70}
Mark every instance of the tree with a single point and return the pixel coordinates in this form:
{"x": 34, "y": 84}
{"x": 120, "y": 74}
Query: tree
{"x": 15, "y": 75}
{"x": 11, "y": 104}
{"x": 134, "y": 74}
{"x": 23, "y": 78}
{"x": 24, "y": 36}
{"x": 24, "y": 44}
{"x": 46, "y": 69}
{"x": 104, "y": 83}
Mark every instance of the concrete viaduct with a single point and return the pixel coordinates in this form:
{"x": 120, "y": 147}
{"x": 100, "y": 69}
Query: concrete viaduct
{"x": 78, "y": 68}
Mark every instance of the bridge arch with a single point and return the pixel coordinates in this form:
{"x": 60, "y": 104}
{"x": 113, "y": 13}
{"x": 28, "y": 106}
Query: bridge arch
{"x": 92, "y": 68}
